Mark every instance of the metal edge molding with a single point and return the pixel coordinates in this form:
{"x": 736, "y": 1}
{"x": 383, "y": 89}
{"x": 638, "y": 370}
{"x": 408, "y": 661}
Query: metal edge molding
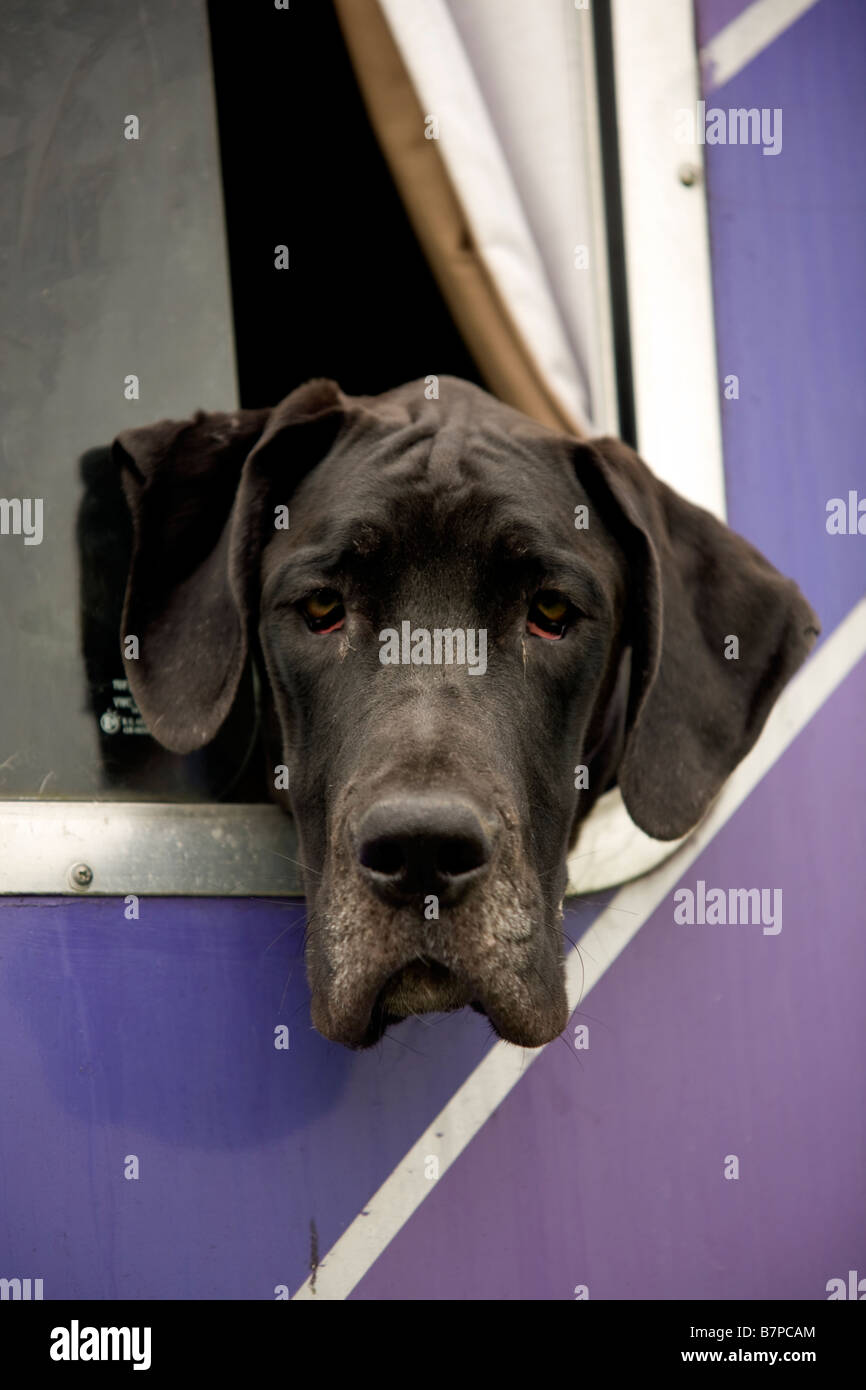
{"x": 159, "y": 849}
{"x": 109, "y": 848}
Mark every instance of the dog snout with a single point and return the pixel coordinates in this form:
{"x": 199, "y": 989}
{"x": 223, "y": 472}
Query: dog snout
{"x": 419, "y": 845}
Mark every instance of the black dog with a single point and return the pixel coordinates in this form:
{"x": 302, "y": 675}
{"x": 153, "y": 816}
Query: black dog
{"x": 587, "y": 612}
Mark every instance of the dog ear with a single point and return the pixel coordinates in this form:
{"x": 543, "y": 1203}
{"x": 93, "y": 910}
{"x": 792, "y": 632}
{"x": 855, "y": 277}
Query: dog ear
{"x": 198, "y": 491}
{"x": 698, "y": 701}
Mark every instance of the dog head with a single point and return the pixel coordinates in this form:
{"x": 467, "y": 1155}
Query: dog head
{"x": 469, "y": 626}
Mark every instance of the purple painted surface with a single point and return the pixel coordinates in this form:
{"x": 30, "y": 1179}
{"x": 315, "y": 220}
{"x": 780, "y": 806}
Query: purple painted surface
{"x": 790, "y": 302}
{"x": 605, "y": 1167}
{"x": 155, "y": 1038}
{"x": 711, "y": 16}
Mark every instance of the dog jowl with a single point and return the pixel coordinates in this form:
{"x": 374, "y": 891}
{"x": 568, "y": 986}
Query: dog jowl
{"x": 435, "y": 801}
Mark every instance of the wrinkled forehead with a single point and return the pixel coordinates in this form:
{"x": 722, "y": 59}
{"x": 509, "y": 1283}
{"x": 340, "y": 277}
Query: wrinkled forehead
{"x": 456, "y": 509}
{"x": 481, "y": 500}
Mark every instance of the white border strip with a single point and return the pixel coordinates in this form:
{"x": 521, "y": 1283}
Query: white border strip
{"x": 460, "y": 1120}
{"x": 611, "y": 850}
{"x": 667, "y": 251}
{"x": 734, "y": 47}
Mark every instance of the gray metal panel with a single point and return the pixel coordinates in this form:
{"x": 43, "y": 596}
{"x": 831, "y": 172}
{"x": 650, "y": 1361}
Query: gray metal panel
{"x": 113, "y": 262}
{"x": 108, "y": 848}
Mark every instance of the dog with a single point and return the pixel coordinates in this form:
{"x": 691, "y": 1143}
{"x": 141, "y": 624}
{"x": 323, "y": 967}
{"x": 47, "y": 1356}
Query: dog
{"x": 343, "y": 544}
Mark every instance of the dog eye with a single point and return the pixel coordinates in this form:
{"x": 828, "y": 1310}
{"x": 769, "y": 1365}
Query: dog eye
{"x": 550, "y": 615}
{"x": 323, "y": 610}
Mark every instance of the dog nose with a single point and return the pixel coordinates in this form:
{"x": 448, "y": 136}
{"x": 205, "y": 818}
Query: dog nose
{"x": 422, "y": 845}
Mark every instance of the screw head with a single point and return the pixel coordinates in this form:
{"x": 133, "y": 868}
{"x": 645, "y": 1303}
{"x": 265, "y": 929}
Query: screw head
{"x": 81, "y": 876}
{"x": 689, "y": 175}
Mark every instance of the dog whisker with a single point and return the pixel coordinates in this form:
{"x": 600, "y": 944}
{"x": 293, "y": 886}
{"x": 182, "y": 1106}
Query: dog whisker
{"x": 285, "y": 991}
{"x": 599, "y": 902}
{"x": 391, "y": 1038}
{"x": 277, "y": 938}
{"x": 289, "y": 860}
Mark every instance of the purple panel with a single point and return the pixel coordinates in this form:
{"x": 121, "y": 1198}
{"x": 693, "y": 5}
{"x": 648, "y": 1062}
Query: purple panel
{"x": 711, "y": 16}
{"x": 705, "y": 1041}
{"x": 156, "y": 1038}
{"x": 789, "y": 279}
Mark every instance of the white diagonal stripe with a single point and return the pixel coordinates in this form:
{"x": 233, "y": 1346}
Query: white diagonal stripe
{"x": 460, "y": 1120}
{"x": 734, "y": 47}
